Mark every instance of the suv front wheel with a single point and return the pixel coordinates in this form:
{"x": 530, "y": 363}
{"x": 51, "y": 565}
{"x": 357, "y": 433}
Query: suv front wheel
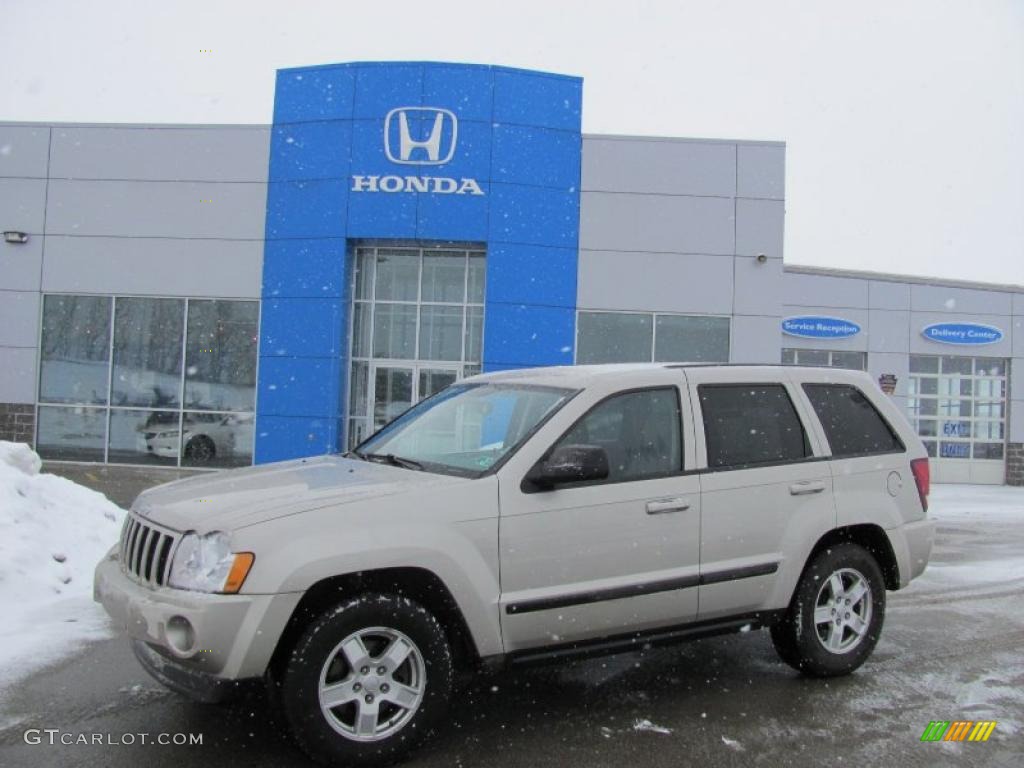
{"x": 836, "y": 614}
{"x": 367, "y": 681}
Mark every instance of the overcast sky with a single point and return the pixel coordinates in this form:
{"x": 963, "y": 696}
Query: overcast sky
{"x": 904, "y": 119}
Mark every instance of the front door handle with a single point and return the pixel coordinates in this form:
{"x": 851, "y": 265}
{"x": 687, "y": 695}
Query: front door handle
{"x": 806, "y": 487}
{"x": 663, "y": 506}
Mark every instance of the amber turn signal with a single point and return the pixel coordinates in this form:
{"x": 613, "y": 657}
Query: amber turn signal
{"x": 239, "y": 570}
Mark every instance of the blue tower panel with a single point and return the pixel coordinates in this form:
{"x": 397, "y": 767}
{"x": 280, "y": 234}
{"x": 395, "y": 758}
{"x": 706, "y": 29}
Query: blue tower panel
{"x": 539, "y": 100}
{"x": 383, "y": 87}
{"x": 534, "y": 215}
{"x": 315, "y": 150}
{"x": 466, "y": 89}
{"x": 305, "y": 327}
{"x": 452, "y": 217}
{"x": 279, "y": 438}
{"x": 304, "y": 209}
{"x": 381, "y": 215}
{"x": 299, "y": 386}
{"x": 515, "y": 133}
{"x": 532, "y": 274}
{"x": 314, "y": 93}
{"x": 526, "y": 335}
{"x": 541, "y": 157}
{"x": 304, "y": 268}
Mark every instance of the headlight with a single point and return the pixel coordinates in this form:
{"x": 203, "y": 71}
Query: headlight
{"x": 171, "y": 433}
{"x": 207, "y": 564}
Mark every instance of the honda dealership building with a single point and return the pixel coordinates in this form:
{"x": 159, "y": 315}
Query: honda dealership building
{"x": 218, "y": 295}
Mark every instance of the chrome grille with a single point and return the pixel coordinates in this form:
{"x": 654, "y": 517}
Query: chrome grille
{"x": 146, "y": 551}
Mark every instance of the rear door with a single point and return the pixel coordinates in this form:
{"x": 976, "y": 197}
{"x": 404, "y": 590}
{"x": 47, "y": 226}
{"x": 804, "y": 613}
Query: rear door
{"x": 766, "y": 489}
{"x": 869, "y": 461}
{"x": 611, "y": 557}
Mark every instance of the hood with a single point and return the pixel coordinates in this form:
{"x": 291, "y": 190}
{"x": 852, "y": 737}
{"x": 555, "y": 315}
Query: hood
{"x": 241, "y": 497}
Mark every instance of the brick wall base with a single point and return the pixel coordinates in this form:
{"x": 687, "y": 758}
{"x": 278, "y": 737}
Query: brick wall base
{"x": 1015, "y": 464}
{"x": 18, "y": 422}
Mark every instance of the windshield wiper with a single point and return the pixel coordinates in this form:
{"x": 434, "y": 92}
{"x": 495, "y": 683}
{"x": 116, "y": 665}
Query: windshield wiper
{"x": 395, "y": 461}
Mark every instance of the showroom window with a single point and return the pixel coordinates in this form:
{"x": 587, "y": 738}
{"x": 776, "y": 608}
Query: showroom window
{"x": 958, "y": 405}
{"x": 417, "y": 326}
{"x": 641, "y": 337}
{"x": 140, "y": 380}
{"x": 826, "y": 358}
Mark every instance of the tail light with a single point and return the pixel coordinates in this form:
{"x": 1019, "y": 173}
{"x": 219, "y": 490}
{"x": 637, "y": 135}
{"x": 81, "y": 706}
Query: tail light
{"x": 923, "y": 478}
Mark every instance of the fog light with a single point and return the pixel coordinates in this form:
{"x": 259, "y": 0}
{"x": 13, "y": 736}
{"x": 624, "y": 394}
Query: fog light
{"x": 180, "y": 635}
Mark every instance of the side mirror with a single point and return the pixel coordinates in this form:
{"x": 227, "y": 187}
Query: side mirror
{"x": 570, "y": 464}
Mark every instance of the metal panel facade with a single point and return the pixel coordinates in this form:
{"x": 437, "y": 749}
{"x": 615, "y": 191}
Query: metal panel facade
{"x": 569, "y": 223}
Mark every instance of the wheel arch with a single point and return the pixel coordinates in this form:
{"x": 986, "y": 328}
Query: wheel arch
{"x": 872, "y": 538}
{"x": 418, "y": 584}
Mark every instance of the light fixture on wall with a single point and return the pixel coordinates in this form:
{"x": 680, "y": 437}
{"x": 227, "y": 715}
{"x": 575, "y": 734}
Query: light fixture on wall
{"x": 15, "y": 237}
{"x": 761, "y": 258}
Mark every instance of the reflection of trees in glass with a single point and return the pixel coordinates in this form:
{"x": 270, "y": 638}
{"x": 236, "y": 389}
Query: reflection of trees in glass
{"x": 147, "y": 351}
{"x": 220, "y": 354}
{"x": 147, "y": 334}
{"x": 76, "y": 328}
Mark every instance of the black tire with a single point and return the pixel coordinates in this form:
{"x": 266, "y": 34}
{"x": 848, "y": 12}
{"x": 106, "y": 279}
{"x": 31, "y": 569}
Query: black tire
{"x": 325, "y": 740}
{"x": 200, "y": 449}
{"x": 802, "y": 642}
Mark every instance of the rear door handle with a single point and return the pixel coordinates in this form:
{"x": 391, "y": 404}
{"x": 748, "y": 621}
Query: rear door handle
{"x": 664, "y": 506}
{"x": 806, "y": 487}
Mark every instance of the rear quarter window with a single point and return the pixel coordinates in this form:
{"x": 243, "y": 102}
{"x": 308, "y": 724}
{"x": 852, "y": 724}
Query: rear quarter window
{"x": 750, "y": 424}
{"x": 852, "y": 424}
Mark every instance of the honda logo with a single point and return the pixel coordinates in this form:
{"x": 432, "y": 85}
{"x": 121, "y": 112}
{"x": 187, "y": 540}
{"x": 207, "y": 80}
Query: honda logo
{"x": 420, "y": 134}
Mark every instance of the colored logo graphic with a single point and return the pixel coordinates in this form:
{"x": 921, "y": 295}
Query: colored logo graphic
{"x": 435, "y": 129}
{"x": 962, "y": 333}
{"x": 817, "y": 327}
{"x": 958, "y": 730}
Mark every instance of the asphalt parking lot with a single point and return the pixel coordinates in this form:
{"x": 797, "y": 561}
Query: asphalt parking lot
{"x": 952, "y": 648}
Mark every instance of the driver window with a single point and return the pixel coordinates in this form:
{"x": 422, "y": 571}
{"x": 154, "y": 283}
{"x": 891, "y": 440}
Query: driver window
{"x": 640, "y": 431}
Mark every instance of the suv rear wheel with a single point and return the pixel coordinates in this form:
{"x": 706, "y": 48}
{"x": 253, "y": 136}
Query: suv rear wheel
{"x": 367, "y": 681}
{"x": 836, "y": 614}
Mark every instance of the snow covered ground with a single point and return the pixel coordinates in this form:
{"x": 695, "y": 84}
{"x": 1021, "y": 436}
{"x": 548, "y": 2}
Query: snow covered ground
{"x": 52, "y": 534}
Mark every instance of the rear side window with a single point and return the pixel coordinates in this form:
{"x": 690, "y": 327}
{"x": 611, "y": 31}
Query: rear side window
{"x": 750, "y": 424}
{"x": 853, "y": 426}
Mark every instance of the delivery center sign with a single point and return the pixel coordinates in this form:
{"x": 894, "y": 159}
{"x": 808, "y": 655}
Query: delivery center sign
{"x": 962, "y": 333}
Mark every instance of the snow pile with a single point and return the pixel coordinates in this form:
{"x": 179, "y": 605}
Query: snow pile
{"x": 53, "y": 532}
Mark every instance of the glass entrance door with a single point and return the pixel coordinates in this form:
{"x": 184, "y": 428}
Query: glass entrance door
{"x": 416, "y": 326}
{"x": 958, "y": 405}
{"x": 397, "y": 387}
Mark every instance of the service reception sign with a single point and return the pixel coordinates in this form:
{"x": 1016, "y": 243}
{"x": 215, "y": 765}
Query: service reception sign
{"x": 819, "y": 327}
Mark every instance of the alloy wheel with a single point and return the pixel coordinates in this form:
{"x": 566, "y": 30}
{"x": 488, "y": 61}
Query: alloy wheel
{"x": 372, "y": 683}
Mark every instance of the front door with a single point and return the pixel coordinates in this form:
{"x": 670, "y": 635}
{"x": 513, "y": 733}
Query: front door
{"x": 616, "y": 556}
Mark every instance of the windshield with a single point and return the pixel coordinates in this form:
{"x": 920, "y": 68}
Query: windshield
{"x": 466, "y": 428}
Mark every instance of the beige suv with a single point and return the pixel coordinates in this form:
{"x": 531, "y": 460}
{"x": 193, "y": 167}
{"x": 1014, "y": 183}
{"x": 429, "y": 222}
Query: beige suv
{"x": 523, "y": 516}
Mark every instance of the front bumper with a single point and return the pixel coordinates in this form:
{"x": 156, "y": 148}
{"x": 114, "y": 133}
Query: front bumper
{"x": 234, "y": 636}
{"x": 195, "y": 684}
